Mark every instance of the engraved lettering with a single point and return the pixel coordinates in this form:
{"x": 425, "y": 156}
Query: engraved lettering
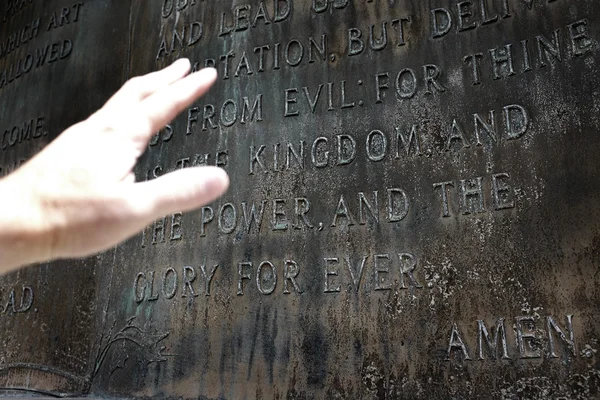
{"x": 331, "y": 287}
{"x": 254, "y": 214}
{"x": 413, "y": 140}
{"x": 471, "y": 196}
{"x": 227, "y": 219}
{"x": 568, "y": 341}
{"x": 290, "y": 273}
{"x": 408, "y": 265}
{"x": 491, "y": 340}
{"x": 501, "y": 192}
{"x": 381, "y": 282}
{"x": 547, "y": 48}
{"x": 527, "y": 341}
{"x": 176, "y": 232}
{"x": 301, "y": 209}
{"x": 356, "y": 273}
{"x": 441, "y": 22}
{"x": 465, "y": 10}
{"x": 137, "y": 284}
{"x": 406, "y": 83}
{"x": 189, "y": 276}
{"x": 169, "y": 289}
{"x": 397, "y": 205}
{"x": 243, "y": 275}
{"x": 342, "y": 212}
{"x": 346, "y": 146}
{"x": 208, "y": 277}
{"x": 377, "y": 145}
{"x": 152, "y": 296}
{"x": 483, "y": 126}
{"x": 207, "y": 215}
{"x": 373, "y": 208}
{"x": 580, "y": 41}
{"x": 276, "y": 223}
{"x": 456, "y": 343}
{"x": 266, "y": 281}
{"x": 517, "y": 121}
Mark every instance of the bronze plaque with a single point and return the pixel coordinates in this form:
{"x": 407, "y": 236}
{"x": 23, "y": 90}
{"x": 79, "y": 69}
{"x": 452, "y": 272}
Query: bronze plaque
{"x": 59, "y": 61}
{"x": 414, "y": 210}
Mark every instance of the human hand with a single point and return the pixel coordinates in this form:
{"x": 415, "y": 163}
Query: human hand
{"x": 78, "y": 196}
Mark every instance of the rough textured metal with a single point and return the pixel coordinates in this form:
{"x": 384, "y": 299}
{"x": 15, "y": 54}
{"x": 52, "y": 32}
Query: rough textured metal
{"x": 59, "y": 61}
{"x": 413, "y": 213}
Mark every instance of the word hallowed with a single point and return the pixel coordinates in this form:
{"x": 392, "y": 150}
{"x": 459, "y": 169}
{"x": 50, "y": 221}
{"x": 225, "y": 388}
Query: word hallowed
{"x": 35, "y": 60}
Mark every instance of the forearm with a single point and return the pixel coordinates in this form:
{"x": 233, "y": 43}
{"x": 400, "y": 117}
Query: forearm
{"x": 22, "y": 237}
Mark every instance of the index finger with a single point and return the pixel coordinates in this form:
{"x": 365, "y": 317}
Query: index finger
{"x": 139, "y": 88}
{"x": 160, "y": 108}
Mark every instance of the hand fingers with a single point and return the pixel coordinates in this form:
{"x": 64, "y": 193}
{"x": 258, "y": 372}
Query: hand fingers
{"x": 129, "y": 178}
{"x": 178, "y": 191}
{"x": 160, "y": 108}
{"x": 138, "y": 88}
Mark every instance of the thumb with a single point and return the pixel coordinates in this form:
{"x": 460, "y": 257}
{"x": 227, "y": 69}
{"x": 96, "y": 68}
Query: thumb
{"x": 179, "y": 191}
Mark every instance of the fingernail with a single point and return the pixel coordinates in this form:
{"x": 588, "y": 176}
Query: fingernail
{"x": 181, "y": 62}
{"x": 219, "y": 180}
{"x": 208, "y": 72}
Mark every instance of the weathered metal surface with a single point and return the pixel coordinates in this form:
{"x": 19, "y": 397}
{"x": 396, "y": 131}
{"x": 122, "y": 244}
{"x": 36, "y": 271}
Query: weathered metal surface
{"x": 59, "y": 61}
{"x": 412, "y": 214}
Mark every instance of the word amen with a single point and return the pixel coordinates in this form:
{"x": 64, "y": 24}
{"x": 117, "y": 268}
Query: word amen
{"x": 12, "y": 306}
{"x": 152, "y": 285}
{"x": 493, "y": 343}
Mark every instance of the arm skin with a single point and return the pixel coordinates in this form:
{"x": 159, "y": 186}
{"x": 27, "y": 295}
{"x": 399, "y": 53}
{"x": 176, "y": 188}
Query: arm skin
{"x": 67, "y": 201}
